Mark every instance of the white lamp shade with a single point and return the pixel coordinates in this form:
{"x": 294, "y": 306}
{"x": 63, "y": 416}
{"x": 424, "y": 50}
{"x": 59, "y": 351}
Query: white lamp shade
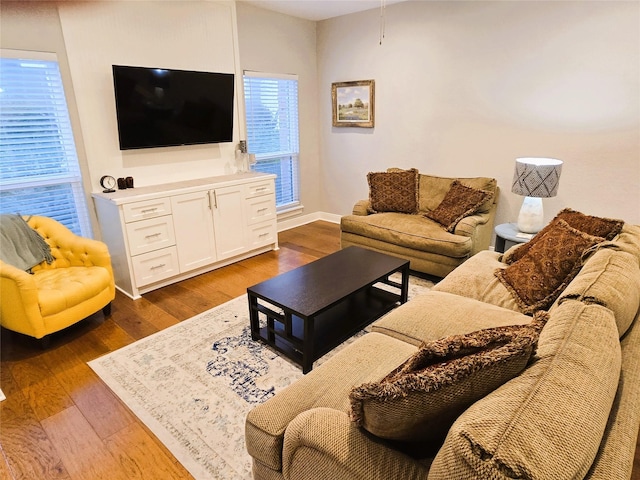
{"x": 536, "y": 177}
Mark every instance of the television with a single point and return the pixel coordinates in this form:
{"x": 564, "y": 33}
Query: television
{"x": 160, "y": 107}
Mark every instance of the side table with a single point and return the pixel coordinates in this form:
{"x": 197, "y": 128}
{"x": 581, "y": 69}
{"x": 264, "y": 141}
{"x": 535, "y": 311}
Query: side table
{"x": 508, "y": 232}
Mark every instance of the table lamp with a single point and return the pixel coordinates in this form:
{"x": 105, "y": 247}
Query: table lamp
{"x": 535, "y": 178}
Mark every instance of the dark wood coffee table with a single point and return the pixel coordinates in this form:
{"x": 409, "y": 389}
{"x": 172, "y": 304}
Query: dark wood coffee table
{"x": 325, "y": 302}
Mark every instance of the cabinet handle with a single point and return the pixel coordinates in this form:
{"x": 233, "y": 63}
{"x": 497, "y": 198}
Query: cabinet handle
{"x": 260, "y": 210}
{"x": 261, "y": 189}
{"x": 149, "y": 210}
{"x": 212, "y": 195}
{"x": 154, "y": 267}
{"x": 263, "y": 235}
{"x": 151, "y": 235}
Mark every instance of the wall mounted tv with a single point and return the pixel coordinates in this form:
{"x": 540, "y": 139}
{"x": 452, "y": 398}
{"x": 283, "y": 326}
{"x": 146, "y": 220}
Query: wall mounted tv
{"x": 159, "y": 107}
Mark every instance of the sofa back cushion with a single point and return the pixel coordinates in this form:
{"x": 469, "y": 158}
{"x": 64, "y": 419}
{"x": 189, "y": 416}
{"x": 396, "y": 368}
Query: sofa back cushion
{"x": 609, "y": 278}
{"x": 628, "y": 240}
{"x": 549, "y": 421}
{"x": 433, "y": 190}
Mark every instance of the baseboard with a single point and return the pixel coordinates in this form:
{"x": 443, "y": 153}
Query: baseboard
{"x": 286, "y": 224}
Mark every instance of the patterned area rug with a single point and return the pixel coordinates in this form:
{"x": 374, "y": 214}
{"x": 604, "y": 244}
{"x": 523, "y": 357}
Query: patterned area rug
{"x": 193, "y": 384}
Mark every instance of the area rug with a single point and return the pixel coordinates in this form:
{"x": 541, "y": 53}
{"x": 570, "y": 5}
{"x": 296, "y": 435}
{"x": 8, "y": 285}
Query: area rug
{"x": 193, "y": 384}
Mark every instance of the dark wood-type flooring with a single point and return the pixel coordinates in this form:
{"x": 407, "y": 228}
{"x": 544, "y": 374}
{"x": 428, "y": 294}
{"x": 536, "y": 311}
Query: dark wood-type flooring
{"x": 60, "y": 421}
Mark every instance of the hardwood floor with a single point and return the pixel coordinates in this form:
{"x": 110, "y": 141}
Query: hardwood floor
{"x": 60, "y": 421}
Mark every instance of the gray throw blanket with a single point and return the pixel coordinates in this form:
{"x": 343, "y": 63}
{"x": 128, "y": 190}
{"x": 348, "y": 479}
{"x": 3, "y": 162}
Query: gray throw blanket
{"x": 20, "y": 245}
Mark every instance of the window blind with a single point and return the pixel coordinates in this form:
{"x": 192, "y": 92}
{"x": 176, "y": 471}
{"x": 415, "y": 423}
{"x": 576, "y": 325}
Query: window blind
{"x": 39, "y": 171}
{"x": 271, "y": 105}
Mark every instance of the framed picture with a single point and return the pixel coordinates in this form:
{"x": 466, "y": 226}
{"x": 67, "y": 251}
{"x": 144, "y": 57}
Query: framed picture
{"x": 353, "y": 103}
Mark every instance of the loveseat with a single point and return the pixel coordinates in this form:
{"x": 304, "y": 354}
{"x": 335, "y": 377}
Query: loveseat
{"x": 399, "y": 220}
{"x": 570, "y": 411}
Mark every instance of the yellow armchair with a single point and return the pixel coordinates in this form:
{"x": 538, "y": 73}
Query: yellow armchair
{"x": 78, "y": 283}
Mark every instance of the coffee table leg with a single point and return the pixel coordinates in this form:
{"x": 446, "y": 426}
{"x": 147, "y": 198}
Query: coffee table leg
{"x": 307, "y": 350}
{"x": 404, "y": 292}
{"x": 254, "y": 317}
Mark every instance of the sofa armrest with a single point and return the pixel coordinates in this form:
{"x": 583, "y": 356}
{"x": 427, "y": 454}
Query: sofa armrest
{"x": 19, "y": 310}
{"x": 361, "y": 207}
{"x": 468, "y": 225}
{"x": 324, "y": 441}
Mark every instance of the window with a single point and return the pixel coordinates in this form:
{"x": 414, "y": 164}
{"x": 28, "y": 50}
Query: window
{"x": 271, "y": 103}
{"x": 39, "y": 171}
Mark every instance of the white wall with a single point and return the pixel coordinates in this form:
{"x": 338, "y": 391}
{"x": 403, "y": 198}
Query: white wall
{"x": 167, "y": 34}
{"x": 276, "y": 43}
{"x": 464, "y": 88}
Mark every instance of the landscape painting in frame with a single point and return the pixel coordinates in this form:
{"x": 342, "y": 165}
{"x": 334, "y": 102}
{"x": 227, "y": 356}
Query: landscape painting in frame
{"x": 353, "y": 103}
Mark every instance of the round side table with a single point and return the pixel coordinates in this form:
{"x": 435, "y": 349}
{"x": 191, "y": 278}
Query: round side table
{"x": 508, "y": 232}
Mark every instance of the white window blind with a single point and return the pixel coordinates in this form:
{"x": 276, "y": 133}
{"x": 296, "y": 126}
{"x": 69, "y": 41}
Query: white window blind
{"x": 271, "y": 103}
{"x": 39, "y": 171}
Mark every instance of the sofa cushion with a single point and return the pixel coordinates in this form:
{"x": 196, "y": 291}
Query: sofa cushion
{"x": 609, "y": 278}
{"x": 522, "y": 430}
{"x": 477, "y": 280}
{"x": 606, "y": 228}
{"x": 410, "y": 231}
{"x": 538, "y": 278}
{"x": 419, "y": 400}
{"x": 628, "y": 240}
{"x": 434, "y": 315}
{"x": 432, "y": 190}
{"x": 459, "y": 202}
{"x": 393, "y": 191}
{"x": 60, "y": 289}
{"x": 327, "y": 385}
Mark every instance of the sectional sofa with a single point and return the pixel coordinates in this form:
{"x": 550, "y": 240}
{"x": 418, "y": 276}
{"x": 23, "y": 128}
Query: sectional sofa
{"x": 566, "y": 406}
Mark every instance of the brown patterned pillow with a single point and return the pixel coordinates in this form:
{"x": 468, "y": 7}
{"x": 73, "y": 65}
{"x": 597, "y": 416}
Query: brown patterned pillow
{"x": 538, "y": 278}
{"x": 395, "y": 191}
{"x": 419, "y": 400}
{"x": 606, "y": 228}
{"x": 459, "y": 202}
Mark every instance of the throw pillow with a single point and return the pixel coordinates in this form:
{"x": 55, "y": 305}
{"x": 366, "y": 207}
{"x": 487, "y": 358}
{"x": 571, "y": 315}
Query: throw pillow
{"x": 606, "y": 228}
{"x": 419, "y": 400}
{"x": 395, "y": 191}
{"x": 538, "y": 278}
{"x": 459, "y": 202}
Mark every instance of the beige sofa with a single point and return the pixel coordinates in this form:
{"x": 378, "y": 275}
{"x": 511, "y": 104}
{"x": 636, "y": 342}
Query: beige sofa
{"x": 425, "y": 243}
{"x": 572, "y": 413}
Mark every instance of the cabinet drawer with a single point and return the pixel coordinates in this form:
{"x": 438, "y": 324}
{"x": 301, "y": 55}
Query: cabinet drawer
{"x": 146, "y": 209}
{"x": 155, "y": 266}
{"x": 149, "y": 235}
{"x": 261, "y": 209}
{"x": 262, "y": 234}
{"x": 260, "y": 188}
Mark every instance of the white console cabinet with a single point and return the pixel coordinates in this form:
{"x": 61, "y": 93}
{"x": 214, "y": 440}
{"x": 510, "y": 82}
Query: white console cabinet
{"x": 162, "y": 234}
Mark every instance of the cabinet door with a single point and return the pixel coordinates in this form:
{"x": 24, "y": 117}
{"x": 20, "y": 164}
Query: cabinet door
{"x": 193, "y": 226}
{"x": 229, "y": 220}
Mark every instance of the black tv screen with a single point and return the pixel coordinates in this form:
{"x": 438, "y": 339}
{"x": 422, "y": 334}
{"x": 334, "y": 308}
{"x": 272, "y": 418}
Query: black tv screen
{"x": 159, "y": 107}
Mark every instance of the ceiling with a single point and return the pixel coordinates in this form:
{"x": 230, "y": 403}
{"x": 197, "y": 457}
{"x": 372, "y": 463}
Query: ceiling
{"x": 319, "y": 9}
